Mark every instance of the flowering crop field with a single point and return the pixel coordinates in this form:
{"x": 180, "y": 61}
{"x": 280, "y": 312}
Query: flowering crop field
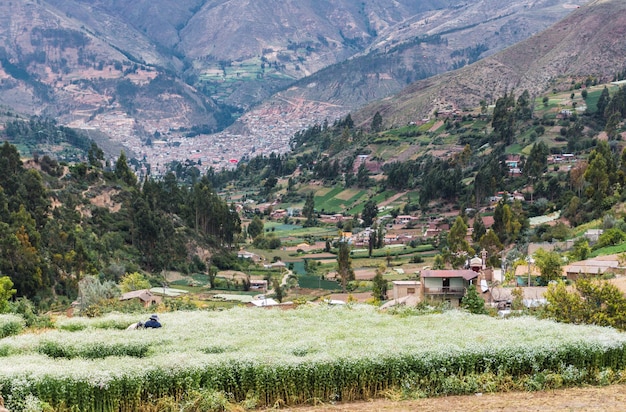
{"x": 317, "y": 353}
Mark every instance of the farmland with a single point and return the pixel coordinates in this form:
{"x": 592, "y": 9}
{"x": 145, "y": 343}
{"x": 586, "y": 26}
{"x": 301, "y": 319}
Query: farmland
{"x": 314, "y": 353}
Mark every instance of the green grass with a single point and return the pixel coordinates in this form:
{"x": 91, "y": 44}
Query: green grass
{"x": 609, "y": 250}
{"x": 515, "y": 148}
{"x": 330, "y": 202}
{"x": 316, "y": 282}
{"x": 592, "y": 100}
{"x": 394, "y": 251}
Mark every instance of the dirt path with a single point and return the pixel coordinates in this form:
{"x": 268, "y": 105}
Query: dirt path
{"x": 605, "y": 399}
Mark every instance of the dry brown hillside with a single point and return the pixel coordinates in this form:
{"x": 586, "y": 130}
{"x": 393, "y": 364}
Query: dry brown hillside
{"x": 587, "y": 42}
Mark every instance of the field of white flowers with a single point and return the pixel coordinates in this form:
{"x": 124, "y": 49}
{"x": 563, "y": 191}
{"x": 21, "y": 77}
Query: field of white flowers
{"x": 295, "y": 356}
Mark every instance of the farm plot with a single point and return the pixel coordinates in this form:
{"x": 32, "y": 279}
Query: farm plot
{"x": 313, "y": 353}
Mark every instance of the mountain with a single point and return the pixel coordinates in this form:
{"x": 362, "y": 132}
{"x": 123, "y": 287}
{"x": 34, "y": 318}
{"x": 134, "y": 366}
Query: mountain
{"x": 583, "y": 44}
{"x": 153, "y": 74}
{"x": 427, "y": 44}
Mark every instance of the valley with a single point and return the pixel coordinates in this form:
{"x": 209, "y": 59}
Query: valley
{"x": 365, "y": 206}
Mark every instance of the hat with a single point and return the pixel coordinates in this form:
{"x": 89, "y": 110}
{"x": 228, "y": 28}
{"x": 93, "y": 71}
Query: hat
{"x": 154, "y": 317}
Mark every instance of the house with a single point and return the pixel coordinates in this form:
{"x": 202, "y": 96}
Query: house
{"x": 242, "y": 254}
{"x": 144, "y": 296}
{"x": 525, "y": 273}
{"x": 405, "y": 292}
{"x": 502, "y": 298}
{"x": 435, "y": 227}
{"x": 259, "y": 303}
{"x": 513, "y": 162}
{"x": 403, "y": 288}
{"x": 593, "y": 235}
{"x": 278, "y": 264}
{"x": 278, "y": 214}
{"x": 258, "y": 284}
{"x": 447, "y": 285}
{"x": 592, "y": 267}
{"x": 404, "y": 219}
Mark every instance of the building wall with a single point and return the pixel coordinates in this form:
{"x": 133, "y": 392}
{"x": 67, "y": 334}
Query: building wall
{"x": 400, "y": 291}
{"x": 455, "y": 283}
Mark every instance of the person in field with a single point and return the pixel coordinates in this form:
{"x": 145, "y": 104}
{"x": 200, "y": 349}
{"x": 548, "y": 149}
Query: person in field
{"x": 153, "y": 322}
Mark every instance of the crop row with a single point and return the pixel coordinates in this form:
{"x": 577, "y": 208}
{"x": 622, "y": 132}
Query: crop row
{"x": 302, "y": 382}
{"x": 298, "y": 356}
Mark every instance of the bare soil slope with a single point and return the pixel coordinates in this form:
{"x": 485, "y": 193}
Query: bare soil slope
{"x": 606, "y": 399}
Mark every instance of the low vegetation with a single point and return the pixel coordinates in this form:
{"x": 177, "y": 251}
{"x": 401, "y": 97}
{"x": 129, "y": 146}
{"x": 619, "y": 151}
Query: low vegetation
{"x": 301, "y": 356}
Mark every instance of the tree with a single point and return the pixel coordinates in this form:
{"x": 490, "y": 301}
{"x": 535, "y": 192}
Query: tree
{"x": 472, "y": 302}
{"x": 6, "y": 291}
{"x": 344, "y": 265}
{"x": 591, "y": 301}
{"x": 269, "y": 184}
{"x": 537, "y": 161}
{"x": 255, "y": 228}
{"x": 549, "y": 264}
{"x": 363, "y": 176}
{"x": 597, "y": 176}
{"x": 603, "y": 102}
{"x": 479, "y": 228}
{"x": 439, "y": 262}
{"x": 95, "y": 155}
{"x": 509, "y": 220}
{"x": 123, "y": 172}
{"x": 581, "y": 249}
{"x": 278, "y": 290}
{"x": 92, "y": 293}
{"x": 503, "y": 120}
{"x": 377, "y": 122}
{"x": 563, "y": 305}
{"x": 134, "y": 281}
{"x": 212, "y": 274}
{"x": 21, "y": 261}
{"x": 460, "y": 248}
{"x": 492, "y": 245}
{"x": 370, "y": 211}
{"x": 379, "y": 284}
{"x": 308, "y": 210}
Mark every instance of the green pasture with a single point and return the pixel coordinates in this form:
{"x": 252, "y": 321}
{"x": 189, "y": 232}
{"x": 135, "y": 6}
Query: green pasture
{"x": 334, "y": 200}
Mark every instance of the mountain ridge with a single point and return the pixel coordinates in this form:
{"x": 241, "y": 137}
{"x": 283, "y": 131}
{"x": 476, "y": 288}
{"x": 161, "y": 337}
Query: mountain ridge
{"x": 132, "y": 72}
{"x": 580, "y": 45}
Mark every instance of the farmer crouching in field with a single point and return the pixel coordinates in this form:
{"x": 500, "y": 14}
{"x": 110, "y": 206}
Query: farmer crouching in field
{"x": 153, "y": 322}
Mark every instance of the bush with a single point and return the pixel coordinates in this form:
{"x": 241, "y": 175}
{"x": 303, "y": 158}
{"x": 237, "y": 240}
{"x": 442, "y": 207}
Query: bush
{"x": 26, "y": 309}
{"x": 11, "y": 325}
{"x": 95, "y": 350}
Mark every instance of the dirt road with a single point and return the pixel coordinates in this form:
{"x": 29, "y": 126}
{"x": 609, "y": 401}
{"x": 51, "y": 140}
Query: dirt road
{"x": 597, "y": 399}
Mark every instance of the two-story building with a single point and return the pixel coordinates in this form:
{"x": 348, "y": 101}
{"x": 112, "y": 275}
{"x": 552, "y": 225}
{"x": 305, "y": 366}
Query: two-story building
{"x": 447, "y": 285}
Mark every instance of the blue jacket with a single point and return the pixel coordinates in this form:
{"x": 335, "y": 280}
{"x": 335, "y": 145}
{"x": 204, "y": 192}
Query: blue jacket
{"x": 152, "y": 324}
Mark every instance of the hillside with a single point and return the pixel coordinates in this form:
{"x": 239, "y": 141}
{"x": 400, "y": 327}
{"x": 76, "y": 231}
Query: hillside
{"x": 144, "y": 71}
{"x": 581, "y": 45}
{"x": 428, "y": 44}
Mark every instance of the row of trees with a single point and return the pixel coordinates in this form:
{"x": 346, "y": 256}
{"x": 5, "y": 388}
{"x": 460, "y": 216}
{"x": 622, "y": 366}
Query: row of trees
{"x": 45, "y": 251}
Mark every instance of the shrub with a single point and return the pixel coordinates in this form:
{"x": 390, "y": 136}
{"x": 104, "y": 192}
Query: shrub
{"x": 11, "y": 325}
